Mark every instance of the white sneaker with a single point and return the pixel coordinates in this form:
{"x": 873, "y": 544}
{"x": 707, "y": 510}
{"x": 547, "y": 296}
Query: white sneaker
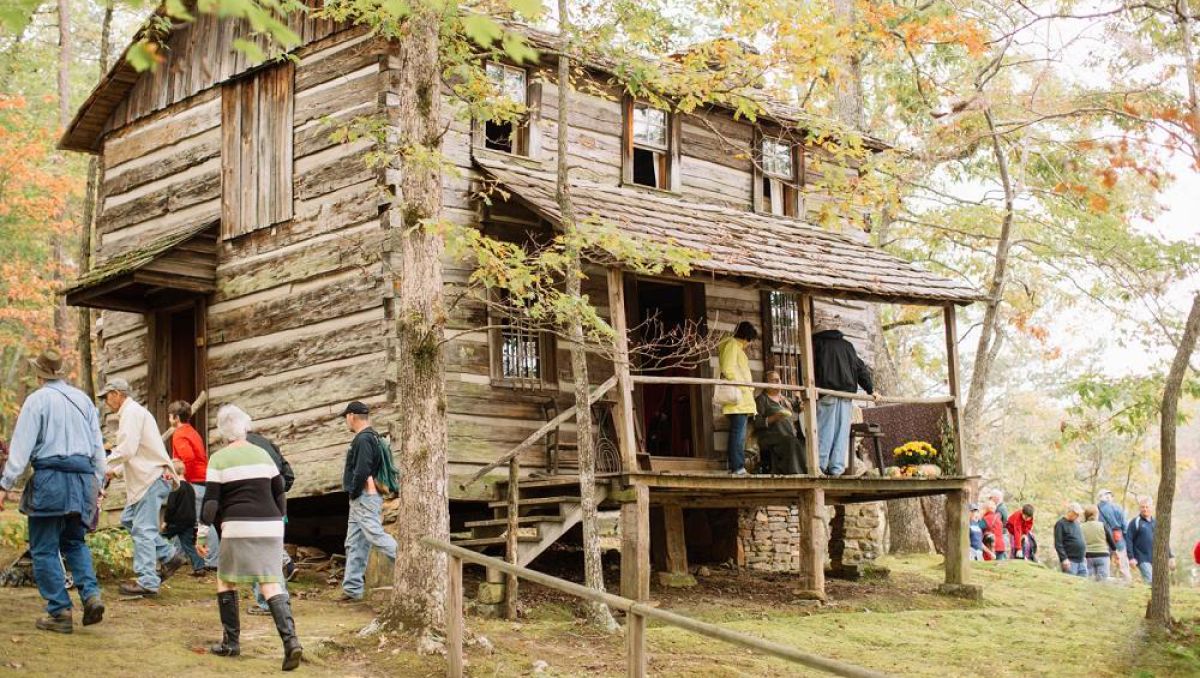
{"x": 740, "y": 472}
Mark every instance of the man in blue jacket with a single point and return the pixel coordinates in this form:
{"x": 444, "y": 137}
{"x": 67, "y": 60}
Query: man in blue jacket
{"x": 1114, "y": 519}
{"x": 1139, "y": 540}
{"x": 58, "y": 434}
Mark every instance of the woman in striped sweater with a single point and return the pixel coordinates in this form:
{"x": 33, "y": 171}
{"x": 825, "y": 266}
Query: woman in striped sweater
{"x": 244, "y": 498}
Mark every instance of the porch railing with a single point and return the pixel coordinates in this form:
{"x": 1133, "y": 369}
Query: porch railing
{"x": 635, "y": 629}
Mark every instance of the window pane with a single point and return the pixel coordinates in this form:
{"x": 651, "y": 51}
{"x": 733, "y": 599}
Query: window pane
{"x": 784, "y": 313}
{"x": 777, "y": 158}
{"x": 510, "y": 81}
{"x": 649, "y": 125}
{"x": 520, "y": 354}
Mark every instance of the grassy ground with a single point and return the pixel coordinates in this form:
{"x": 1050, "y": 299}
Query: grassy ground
{"x": 1033, "y": 622}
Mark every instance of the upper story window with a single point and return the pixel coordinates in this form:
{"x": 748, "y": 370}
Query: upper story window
{"x": 651, "y": 146}
{"x": 779, "y": 176}
{"x": 256, "y": 150}
{"x": 509, "y": 136}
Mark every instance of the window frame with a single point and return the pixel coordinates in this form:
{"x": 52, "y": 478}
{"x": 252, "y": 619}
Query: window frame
{"x": 783, "y": 356}
{"x": 525, "y": 137}
{"x": 792, "y": 188}
{"x": 547, "y": 378}
{"x": 670, "y": 154}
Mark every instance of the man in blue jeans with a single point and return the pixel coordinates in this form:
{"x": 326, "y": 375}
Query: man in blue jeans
{"x": 364, "y": 528}
{"x": 837, "y": 367}
{"x": 1139, "y": 541}
{"x": 58, "y": 433}
{"x": 141, "y": 458}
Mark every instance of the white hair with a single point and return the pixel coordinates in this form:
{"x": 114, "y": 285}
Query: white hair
{"x": 232, "y": 423}
{"x": 1145, "y": 499}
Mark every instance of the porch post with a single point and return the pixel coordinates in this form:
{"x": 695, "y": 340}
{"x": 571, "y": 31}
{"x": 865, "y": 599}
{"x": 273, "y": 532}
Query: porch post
{"x": 954, "y": 409}
{"x": 623, "y": 413}
{"x": 635, "y": 544}
{"x": 813, "y": 543}
{"x": 809, "y": 381}
{"x": 956, "y": 565}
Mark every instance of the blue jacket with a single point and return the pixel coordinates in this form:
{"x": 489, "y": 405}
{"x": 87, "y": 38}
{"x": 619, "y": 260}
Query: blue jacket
{"x": 1113, "y": 518}
{"x": 1139, "y": 539}
{"x": 61, "y": 486}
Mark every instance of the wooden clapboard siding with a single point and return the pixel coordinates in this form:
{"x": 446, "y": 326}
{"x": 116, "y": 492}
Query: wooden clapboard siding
{"x": 256, "y": 150}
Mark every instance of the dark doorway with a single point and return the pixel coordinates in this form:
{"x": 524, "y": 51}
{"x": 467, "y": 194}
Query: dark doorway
{"x": 176, "y": 368}
{"x": 668, "y": 316}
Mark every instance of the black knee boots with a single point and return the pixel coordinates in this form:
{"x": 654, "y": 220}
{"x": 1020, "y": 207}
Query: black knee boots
{"x": 227, "y": 603}
{"x": 281, "y": 610}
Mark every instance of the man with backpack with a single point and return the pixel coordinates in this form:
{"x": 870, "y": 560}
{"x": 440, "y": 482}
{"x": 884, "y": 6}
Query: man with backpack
{"x": 369, "y": 470}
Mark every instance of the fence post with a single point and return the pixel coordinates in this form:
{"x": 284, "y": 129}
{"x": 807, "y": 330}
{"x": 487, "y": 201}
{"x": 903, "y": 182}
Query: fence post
{"x": 511, "y": 544}
{"x": 454, "y": 619}
{"x": 635, "y": 644}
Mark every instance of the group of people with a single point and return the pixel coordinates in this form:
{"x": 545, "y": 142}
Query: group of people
{"x": 235, "y": 497}
{"x": 1094, "y": 541}
{"x": 781, "y": 442}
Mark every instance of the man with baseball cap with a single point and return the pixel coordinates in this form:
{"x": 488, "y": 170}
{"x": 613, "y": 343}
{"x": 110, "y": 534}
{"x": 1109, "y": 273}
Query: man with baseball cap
{"x": 364, "y": 527}
{"x": 58, "y": 434}
{"x": 141, "y": 458}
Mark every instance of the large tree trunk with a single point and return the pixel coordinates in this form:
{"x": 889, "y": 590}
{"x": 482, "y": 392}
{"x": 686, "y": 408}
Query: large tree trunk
{"x": 419, "y": 593}
{"x": 1159, "y": 611}
{"x": 57, "y": 249}
{"x": 593, "y": 569}
{"x": 934, "y": 510}
{"x": 83, "y": 341}
{"x": 988, "y": 346}
{"x": 906, "y": 527}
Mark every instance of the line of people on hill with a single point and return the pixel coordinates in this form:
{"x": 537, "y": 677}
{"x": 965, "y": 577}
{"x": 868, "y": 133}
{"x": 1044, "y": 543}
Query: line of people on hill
{"x": 836, "y": 367}
{"x": 1095, "y": 541}
{"x": 235, "y": 497}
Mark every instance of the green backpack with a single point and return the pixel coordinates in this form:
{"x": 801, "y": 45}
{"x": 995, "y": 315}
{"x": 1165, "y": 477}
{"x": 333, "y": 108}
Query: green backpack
{"x": 387, "y": 478}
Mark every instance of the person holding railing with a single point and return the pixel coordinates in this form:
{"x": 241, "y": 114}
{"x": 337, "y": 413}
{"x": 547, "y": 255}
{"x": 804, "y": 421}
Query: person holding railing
{"x": 735, "y": 366}
{"x": 837, "y": 367}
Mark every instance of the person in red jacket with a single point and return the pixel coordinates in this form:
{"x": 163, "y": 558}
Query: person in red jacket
{"x": 993, "y": 526}
{"x": 1020, "y": 526}
{"x": 188, "y": 447}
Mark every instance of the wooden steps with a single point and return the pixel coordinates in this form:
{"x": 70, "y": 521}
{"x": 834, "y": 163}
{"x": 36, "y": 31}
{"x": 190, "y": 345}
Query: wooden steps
{"x": 495, "y": 541}
{"x": 535, "y": 501}
{"x": 521, "y": 520}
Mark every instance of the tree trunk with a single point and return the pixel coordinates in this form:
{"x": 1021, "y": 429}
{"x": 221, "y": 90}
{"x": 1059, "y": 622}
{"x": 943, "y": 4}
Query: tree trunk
{"x": 1159, "y": 611}
{"x": 906, "y": 527}
{"x": 988, "y": 346}
{"x": 848, "y": 102}
{"x": 419, "y": 316}
{"x": 934, "y": 511}
{"x": 83, "y": 341}
{"x": 57, "y": 249}
{"x": 593, "y": 569}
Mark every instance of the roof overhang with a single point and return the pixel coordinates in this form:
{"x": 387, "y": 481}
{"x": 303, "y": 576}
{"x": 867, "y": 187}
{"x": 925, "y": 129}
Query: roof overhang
{"x": 765, "y": 251}
{"x": 173, "y": 267}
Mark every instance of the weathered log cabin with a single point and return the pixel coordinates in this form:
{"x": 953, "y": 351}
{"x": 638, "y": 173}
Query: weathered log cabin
{"x": 241, "y": 253}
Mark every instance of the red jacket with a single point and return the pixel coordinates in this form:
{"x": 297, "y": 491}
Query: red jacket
{"x": 1019, "y": 526}
{"x": 992, "y": 524}
{"x": 187, "y": 447}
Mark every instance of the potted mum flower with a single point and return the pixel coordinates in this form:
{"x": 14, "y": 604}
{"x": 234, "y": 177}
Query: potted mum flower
{"x": 917, "y": 458}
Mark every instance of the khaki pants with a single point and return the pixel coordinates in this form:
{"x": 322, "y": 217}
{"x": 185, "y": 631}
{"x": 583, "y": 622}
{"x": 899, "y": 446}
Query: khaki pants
{"x": 1122, "y": 564}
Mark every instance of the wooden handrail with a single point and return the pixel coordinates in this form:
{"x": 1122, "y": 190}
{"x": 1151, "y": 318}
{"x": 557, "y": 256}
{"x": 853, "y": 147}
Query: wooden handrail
{"x": 538, "y": 434}
{"x": 647, "y": 379}
{"x": 633, "y": 608}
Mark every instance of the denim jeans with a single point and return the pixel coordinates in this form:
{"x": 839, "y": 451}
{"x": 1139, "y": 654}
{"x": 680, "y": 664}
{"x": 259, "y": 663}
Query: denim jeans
{"x": 141, "y": 519}
{"x": 210, "y": 540}
{"x": 185, "y": 540}
{"x": 737, "y": 441}
{"x": 50, "y": 536}
{"x": 1098, "y": 566}
{"x": 1146, "y": 570}
{"x": 1077, "y": 568}
{"x": 833, "y": 434}
{"x": 364, "y": 529}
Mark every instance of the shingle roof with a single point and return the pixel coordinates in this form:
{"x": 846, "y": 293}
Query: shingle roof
{"x": 739, "y": 243}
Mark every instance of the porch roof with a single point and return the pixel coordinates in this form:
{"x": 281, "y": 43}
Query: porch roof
{"x": 739, "y": 243}
{"x": 183, "y": 262}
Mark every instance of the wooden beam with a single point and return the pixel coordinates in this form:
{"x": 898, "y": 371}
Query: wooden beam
{"x": 675, "y": 572}
{"x": 809, "y": 377}
{"x": 649, "y": 379}
{"x": 510, "y": 542}
{"x": 635, "y": 545}
{"x": 454, "y": 618}
{"x": 623, "y": 412}
{"x": 813, "y": 543}
{"x": 635, "y": 639}
{"x": 954, "y": 409}
{"x": 956, "y": 537}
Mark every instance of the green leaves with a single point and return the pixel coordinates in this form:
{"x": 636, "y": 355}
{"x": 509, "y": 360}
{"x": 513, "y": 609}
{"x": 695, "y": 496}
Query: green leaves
{"x": 481, "y": 29}
{"x": 16, "y": 14}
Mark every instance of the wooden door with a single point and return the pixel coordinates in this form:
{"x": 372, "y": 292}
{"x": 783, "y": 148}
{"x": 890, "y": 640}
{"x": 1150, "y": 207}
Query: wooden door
{"x": 177, "y": 360}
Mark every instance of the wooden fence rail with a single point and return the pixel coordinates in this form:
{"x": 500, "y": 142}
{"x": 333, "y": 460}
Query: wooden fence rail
{"x": 638, "y": 613}
{"x": 646, "y": 379}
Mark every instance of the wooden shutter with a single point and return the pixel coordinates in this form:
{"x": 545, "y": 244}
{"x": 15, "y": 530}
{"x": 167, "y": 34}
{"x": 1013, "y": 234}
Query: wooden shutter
{"x": 256, "y": 151}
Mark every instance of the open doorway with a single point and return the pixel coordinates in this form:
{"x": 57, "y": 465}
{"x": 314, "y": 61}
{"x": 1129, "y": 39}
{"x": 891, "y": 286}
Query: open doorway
{"x": 672, "y": 417}
{"x": 176, "y": 368}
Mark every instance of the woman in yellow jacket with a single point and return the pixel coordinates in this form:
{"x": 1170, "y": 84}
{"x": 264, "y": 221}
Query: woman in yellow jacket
{"x": 735, "y": 366}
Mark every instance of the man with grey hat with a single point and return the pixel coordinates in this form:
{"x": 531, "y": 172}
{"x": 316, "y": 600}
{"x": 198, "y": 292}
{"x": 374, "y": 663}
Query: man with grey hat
{"x": 364, "y": 526}
{"x": 58, "y": 434}
{"x": 141, "y": 458}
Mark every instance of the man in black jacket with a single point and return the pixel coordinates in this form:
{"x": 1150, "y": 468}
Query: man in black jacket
{"x": 364, "y": 528}
{"x": 260, "y": 607}
{"x": 837, "y": 367}
{"x": 1069, "y": 543}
